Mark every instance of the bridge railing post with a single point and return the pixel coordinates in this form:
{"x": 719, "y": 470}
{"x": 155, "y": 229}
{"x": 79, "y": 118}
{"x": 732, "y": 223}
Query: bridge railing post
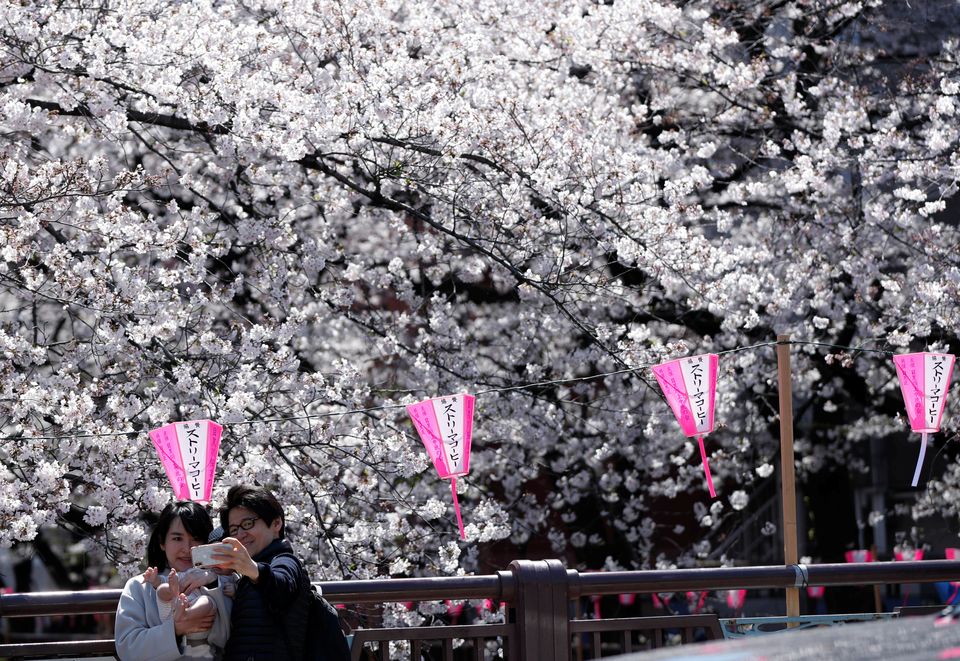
{"x": 542, "y": 609}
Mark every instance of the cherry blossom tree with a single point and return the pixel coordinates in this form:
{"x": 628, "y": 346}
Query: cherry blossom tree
{"x": 294, "y": 217}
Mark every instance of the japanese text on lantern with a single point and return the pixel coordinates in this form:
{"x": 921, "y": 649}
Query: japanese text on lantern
{"x": 193, "y": 438}
{"x": 936, "y": 373}
{"x": 452, "y": 437}
{"x": 694, "y": 380}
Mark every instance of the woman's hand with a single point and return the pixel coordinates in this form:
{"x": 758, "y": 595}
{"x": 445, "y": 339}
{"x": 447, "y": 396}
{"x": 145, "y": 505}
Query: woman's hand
{"x": 192, "y": 620}
{"x": 233, "y": 556}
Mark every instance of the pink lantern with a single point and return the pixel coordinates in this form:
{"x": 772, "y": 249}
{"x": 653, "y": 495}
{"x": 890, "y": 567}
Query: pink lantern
{"x": 953, "y": 554}
{"x": 690, "y": 386}
{"x": 735, "y": 599}
{"x": 924, "y": 382}
{"x": 859, "y": 555}
{"x": 445, "y": 425}
{"x": 815, "y": 591}
{"x": 188, "y": 452}
{"x": 454, "y": 609}
{"x": 696, "y": 600}
{"x": 909, "y": 554}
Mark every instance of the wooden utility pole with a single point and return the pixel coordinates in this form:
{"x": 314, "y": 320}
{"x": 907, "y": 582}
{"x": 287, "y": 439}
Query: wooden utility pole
{"x": 788, "y": 489}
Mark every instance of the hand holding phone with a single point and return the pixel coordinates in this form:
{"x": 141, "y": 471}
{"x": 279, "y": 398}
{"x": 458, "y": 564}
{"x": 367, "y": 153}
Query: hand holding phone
{"x": 202, "y": 555}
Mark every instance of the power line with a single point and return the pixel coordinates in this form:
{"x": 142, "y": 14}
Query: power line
{"x": 838, "y": 346}
{"x": 489, "y": 391}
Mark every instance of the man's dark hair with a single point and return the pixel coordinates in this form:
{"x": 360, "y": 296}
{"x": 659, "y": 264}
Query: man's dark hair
{"x": 196, "y": 521}
{"x": 256, "y": 499}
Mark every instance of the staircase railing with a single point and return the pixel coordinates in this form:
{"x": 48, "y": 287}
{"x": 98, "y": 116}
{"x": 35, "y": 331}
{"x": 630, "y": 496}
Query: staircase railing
{"x": 748, "y": 540}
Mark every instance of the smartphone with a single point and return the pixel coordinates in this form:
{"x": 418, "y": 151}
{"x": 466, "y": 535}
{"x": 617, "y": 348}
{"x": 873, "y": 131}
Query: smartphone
{"x": 203, "y": 555}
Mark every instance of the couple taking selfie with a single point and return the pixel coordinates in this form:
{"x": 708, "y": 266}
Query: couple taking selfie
{"x": 250, "y": 600}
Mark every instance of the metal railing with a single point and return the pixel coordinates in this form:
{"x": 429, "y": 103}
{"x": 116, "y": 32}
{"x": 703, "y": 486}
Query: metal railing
{"x": 539, "y": 624}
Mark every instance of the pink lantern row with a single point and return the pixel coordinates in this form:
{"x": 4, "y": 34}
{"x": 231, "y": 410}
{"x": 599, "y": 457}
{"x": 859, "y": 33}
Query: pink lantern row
{"x": 735, "y": 598}
{"x": 866, "y": 555}
{"x": 188, "y": 450}
{"x": 903, "y": 555}
{"x": 690, "y": 386}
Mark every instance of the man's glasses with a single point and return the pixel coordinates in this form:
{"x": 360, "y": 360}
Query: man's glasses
{"x": 245, "y": 524}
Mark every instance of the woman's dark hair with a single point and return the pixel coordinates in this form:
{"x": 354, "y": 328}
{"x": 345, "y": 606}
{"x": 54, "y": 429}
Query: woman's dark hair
{"x": 196, "y": 521}
{"x": 256, "y": 499}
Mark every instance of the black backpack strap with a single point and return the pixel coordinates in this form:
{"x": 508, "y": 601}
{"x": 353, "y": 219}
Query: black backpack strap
{"x": 333, "y": 641}
{"x": 308, "y": 639}
{"x": 292, "y": 622}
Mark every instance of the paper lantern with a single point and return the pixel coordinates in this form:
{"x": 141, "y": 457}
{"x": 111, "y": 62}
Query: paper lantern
{"x": 859, "y": 555}
{"x": 445, "y": 425}
{"x": 690, "y": 386}
{"x": 924, "y": 382}
{"x": 454, "y": 608}
{"x": 188, "y": 452}
{"x": 908, "y": 555}
{"x": 953, "y": 554}
{"x": 735, "y": 599}
{"x": 696, "y": 600}
{"x": 815, "y": 591}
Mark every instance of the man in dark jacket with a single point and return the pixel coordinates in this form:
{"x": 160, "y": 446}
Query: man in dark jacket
{"x": 271, "y": 577}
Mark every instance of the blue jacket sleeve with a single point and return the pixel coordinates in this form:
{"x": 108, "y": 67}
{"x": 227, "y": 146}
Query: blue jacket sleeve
{"x": 279, "y": 581}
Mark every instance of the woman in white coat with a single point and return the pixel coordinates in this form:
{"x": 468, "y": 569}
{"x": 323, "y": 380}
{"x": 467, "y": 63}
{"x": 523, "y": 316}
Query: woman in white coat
{"x": 141, "y": 633}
